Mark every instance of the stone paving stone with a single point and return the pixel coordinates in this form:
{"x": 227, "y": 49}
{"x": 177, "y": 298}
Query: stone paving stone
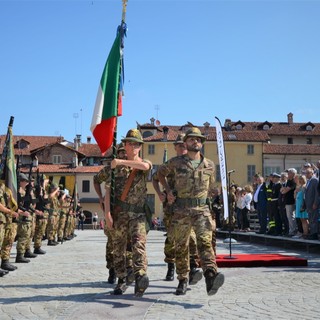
{"x": 69, "y": 282}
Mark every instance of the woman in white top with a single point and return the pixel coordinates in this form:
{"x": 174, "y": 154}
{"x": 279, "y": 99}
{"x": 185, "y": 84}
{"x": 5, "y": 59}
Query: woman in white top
{"x": 246, "y": 196}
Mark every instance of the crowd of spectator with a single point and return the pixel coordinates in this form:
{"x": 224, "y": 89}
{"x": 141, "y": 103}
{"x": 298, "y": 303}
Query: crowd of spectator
{"x": 287, "y": 204}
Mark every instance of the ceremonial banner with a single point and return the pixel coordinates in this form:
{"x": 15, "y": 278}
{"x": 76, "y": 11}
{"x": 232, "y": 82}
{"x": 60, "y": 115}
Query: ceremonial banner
{"x": 8, "y": 167}
{"x": 109, "y": 99}
{"x": 223, "y": 168}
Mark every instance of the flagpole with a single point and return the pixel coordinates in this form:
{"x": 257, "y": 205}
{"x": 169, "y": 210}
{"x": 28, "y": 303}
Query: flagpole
{"x": 122, "y": 29}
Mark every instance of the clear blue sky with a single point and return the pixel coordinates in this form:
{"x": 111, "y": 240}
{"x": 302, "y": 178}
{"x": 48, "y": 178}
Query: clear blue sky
{"x": 243, "y": 60}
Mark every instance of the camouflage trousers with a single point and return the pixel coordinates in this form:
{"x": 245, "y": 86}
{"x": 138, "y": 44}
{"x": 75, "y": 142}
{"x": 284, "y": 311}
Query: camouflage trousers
{"x": 24, "y": 236}
{"x": 132, "y": 225}
{"x": 183, "y": 221}
{"x": 10, "y": 233}
{"x": 2, "y": 229}
{"x": 53, "y": 221}
{"x": 169, "y": 245}
{"x": 109, "y": 249}
{"x": 39, "y": 232}
{"x": 69, "y": 224}
{"x": 61, "y": 225}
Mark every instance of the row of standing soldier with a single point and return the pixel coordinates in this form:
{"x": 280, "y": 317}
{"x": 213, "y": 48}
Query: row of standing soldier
{"x": 43, "y": 212}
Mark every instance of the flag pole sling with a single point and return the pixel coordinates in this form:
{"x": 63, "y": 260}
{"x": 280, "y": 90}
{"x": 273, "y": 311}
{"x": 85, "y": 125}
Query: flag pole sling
{"x": 122, "y": 30}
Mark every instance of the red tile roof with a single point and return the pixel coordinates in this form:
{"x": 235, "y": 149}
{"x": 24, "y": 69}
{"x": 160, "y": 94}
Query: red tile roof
{"x": 34, "y": 142}
{"x": 291, "y": 149}
{"x": 63, "y": 168}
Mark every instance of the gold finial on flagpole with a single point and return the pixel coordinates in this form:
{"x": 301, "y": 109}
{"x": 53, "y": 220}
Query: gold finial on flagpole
{"x": 124, "y": 10}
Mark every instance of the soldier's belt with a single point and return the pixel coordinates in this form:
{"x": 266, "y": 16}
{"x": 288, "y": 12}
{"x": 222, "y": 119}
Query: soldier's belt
{"x": 191, "y": 202}
{"x": 129, "y": 207}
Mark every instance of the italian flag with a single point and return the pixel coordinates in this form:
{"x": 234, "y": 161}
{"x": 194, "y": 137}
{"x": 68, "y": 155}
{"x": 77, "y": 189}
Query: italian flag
{"x": 109, "y": 99}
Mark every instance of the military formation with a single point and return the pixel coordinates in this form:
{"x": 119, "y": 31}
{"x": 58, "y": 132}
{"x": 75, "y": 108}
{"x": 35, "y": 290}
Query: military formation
{"x": 43, "y": 212}
{"x": 184, "y": 184}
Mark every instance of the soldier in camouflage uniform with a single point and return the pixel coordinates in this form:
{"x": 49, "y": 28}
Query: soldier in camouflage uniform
{"x": 25, "y": 223}
{"x": 98, "y": 179}
{"x": 5, "y": 212}
{"x": 193, "y": 177}
{"x": 64, "y": 200}
{"x": 10, "y": 228}
{"x": 42, "y": 205}
{"x": 129, "y": 214}
{"x": 169, "y": 247}
{"x": 53, "y": 214}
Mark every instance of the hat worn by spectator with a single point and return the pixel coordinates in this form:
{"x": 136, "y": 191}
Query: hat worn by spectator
{"x": 179, "y": 138}
{"x": 292, "y": 170}
{"x": 276, "y": 175}
{"x": 194, "y": 132}
{"x": 307, "y": 164}
{"x": 133, "y": 135}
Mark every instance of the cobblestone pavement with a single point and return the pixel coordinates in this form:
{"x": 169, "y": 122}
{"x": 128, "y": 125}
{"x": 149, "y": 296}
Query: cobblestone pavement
{"x": 69, "y": 282}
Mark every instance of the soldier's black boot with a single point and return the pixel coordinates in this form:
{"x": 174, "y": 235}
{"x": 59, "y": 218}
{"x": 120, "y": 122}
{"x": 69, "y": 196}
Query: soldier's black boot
{"x": 170, "y": 272}
{"x": 39, "y": 251}
{"x": 142, "y": 283}
{"x": 130, "y": 276}
{"x": 120, "y": 287}
{"x": 213, "y": 281}
{"x": 182, "y": 287}
{"x": 195, "y": 275}
{"x": 52, "y": 243}
{"x": 5, "y": 265}
{"x": 3, "y": 272}
{"x": 112, "y": 276}
{"x": 21, "y": 259}
{"x": 29, "y": 254}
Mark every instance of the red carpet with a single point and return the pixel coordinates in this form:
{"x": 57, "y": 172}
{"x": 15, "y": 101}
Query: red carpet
{"x": 259, "y": 260}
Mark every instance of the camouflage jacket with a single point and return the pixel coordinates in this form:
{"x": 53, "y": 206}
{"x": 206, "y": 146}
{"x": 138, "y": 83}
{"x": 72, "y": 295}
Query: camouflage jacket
{"x": 3, "y": 202}
{"x": 187, "y": 181}
{"x": 138, "y": 191}
{"x": 102, "y": 175}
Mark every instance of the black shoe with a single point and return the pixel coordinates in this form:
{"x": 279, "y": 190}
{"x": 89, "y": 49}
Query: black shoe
{"x": 38, "y": 251}
{"x": 182, "y": 287}
{"x": 52, "y": 243}
{"x": 120, "y": 287}
{"x": 313, "y": 236}
{"x": 29, "y": 254}
{"x": 3, "y": 272}
{"x": 170, "y": 273}
{"x": 130, "y": 276}
{"x": 142, "y": 283}
{"x": 213, "y": 281}
{"x": 5, "y": 265}
{"x": 195, "y": 275}
{"x": 21, "y": 259}
{"x": 112, "y": 276}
